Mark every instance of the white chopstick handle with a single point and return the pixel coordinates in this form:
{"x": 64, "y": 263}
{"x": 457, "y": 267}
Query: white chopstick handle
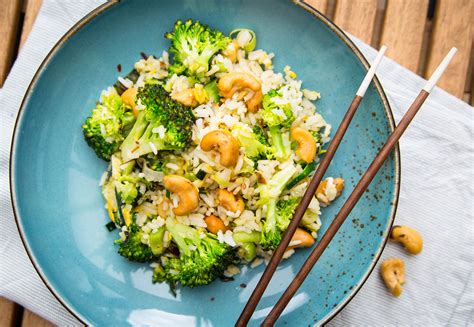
{"x": 370, "y": 74}
{"x": 439, "y": 70}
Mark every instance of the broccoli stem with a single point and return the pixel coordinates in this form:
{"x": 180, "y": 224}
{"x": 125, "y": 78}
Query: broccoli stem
{"x": 212, "y": 91}
{"x": 131, "y": 142}
{"x": 281, "y": 178}
{"x": 181, "y": 233}
{"x": 128, "y": 121}
{"x": 270, "y": 219}
{"x": 269, "y": 194}
{"x": 284, "y": 212}
{"x": 277, "y": 141}
{"x": 146, "y": 139}
{"x": 156, "y": 241}
{"x": 243, "y": 237}
{"x": 248, "y": 251}
{"x": 127, "y": 168}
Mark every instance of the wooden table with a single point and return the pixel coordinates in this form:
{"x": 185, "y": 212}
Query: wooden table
{"x": 418, "y": 33}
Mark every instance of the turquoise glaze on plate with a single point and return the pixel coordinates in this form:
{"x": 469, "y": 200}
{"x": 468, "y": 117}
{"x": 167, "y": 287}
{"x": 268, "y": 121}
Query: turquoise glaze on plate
{"x": 55, "y": 175}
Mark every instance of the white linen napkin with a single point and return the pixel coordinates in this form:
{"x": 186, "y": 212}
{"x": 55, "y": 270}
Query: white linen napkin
{"x": 437, "y": 194}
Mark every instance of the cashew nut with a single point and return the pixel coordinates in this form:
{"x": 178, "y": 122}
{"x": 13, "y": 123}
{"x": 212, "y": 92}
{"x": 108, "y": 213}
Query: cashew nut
{"x": 393, "y": 275}
{"x": 300, "y": 239}
{"x": 188, "y": 193}
{"x": 129, "y": 97}
{"x": 226, "y": 144}
{"x": 325, "y": 195}
{"x": 229, "y": 201}
{"x": 307, "y": 145}
{"x": 163, "y": 208}
{"x": 231, "y": 51}
{"x": 214, "y": 224}
{"x": 409, "y": 237}
{"x": 234, "y": 82}
{"x": 185, "y": 97}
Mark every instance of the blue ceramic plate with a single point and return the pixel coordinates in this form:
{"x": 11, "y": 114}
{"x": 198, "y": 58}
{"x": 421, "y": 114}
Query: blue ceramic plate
{"x": 55, "y": 175}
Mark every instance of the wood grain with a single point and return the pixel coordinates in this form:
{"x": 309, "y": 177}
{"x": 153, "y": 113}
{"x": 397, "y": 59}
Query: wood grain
{"x": 357, "y": 17}
{"x": 31, "y": 11}
{"x": 402, "y": 31}
{"x": 321, "y": 5}
{"x": 9, "y": 19}
{"x": 32, "y": 320}
{"x": 9, "y": 313}
{"x": 452, "y": 27}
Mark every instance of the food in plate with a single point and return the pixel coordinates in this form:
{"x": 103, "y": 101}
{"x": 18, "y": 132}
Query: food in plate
{"x": 210, "y": 153}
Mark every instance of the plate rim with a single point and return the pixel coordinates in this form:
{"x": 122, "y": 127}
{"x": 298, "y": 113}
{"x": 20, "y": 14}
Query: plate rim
{"x": 107, "y": 5}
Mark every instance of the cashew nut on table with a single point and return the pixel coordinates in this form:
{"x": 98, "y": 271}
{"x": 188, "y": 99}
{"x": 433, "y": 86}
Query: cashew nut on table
{"x": 408, "y": 237}
{"x": 393, "y": 275}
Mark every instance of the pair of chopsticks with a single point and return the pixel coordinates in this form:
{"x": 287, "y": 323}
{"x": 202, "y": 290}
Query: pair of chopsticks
{"x": 348, "y": 205}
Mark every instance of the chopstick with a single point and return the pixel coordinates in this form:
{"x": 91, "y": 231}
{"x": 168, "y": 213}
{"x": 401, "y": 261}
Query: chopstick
{"x": 307, "y": 197}
{"x": 358, "y": 191}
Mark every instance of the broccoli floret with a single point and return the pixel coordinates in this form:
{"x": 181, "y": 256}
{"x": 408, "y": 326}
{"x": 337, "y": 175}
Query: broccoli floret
{"x": 260, "y": 134}
{"x": 202, "y": 257}
{"x": 274, "y": 114}
{"x": 159, "y": 163}
{"x": 254, "y": 149}
{"x": 276, "y": 117}
{"x": 269, "y": 194}
{"x": 284, "y": 212}
{"x": 132, "y": 248}
{"x": 193, "y": 46}
{"x": 127, "y": 190}
{"x": 160, "y": 110}
{"x": 105, "y": 129}
{"x": 318, "y": 138}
